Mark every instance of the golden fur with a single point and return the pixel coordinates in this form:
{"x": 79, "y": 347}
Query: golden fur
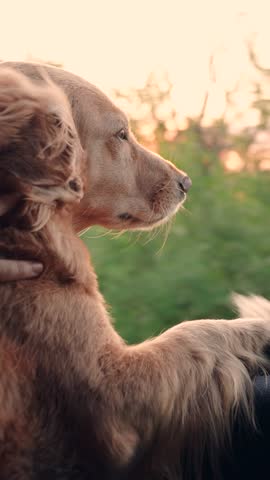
{"x": 74, "y": 397}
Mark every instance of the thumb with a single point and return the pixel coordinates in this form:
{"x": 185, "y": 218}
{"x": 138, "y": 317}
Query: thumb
{"x": 18, "y": 270}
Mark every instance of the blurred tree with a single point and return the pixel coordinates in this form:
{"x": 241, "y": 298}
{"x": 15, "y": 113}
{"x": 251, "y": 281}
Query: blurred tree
{"x": 261, "y": 102}
{"x": 154, "y": 118}
{"x": 150, "y": 107}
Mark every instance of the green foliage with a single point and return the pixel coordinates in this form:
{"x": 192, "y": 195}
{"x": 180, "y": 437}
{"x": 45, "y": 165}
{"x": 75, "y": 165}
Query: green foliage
{"x": 218, "y": 245}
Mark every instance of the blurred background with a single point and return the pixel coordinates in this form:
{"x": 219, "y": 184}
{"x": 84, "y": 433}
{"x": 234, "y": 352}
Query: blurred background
{"x": 194, "y": 78}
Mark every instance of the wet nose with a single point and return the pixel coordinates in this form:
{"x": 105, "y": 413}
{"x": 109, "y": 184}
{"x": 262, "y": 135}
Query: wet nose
{"x": 185, "y": 183}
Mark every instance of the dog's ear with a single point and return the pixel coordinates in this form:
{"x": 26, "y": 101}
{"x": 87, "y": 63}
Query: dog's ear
{"x": 40, "y": 154}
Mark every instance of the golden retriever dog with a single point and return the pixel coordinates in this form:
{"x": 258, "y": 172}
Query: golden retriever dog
{"x": 77, "y": 402}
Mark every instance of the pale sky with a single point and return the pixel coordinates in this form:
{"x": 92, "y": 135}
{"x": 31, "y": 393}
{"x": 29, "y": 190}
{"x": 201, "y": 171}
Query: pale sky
{"x": 115, "y": 44}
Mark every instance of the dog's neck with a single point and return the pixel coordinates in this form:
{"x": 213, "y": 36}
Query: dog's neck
{"x": 57, "y": 247}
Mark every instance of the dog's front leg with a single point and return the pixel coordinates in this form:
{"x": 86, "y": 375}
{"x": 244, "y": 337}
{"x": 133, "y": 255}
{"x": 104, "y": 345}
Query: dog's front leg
{"x": 182, "y": 389}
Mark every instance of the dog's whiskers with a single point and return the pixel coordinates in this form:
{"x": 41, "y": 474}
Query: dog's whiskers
{"x": 167, "y": 230}
{"x": 116, "y": 235}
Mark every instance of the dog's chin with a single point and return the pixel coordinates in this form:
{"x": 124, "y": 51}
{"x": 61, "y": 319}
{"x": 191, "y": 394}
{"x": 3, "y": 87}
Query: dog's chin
{"x": 135, "y": 223}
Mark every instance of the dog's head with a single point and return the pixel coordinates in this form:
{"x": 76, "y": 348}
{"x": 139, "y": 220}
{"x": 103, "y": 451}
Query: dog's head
{"x": 128, "y": 187}
{"x": 40, "y": 154}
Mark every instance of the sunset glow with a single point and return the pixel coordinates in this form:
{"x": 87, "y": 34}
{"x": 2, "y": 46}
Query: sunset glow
{"x": 117, "y": 44}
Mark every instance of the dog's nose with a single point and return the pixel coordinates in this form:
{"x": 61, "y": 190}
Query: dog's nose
{"x": 185, "y": 183}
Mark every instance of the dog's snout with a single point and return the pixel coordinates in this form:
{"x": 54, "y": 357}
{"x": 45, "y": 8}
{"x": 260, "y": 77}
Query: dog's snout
{"x": 185, "y": 183}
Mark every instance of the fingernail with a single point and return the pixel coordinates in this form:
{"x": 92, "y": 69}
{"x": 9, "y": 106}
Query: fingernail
{"x": 37, "y": 268}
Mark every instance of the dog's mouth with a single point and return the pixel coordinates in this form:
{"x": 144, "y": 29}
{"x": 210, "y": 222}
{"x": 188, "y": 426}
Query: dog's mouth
{"x": 134, "y": 222}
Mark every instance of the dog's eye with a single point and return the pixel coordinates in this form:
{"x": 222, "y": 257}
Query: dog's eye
{"x": 122, "y": 134}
